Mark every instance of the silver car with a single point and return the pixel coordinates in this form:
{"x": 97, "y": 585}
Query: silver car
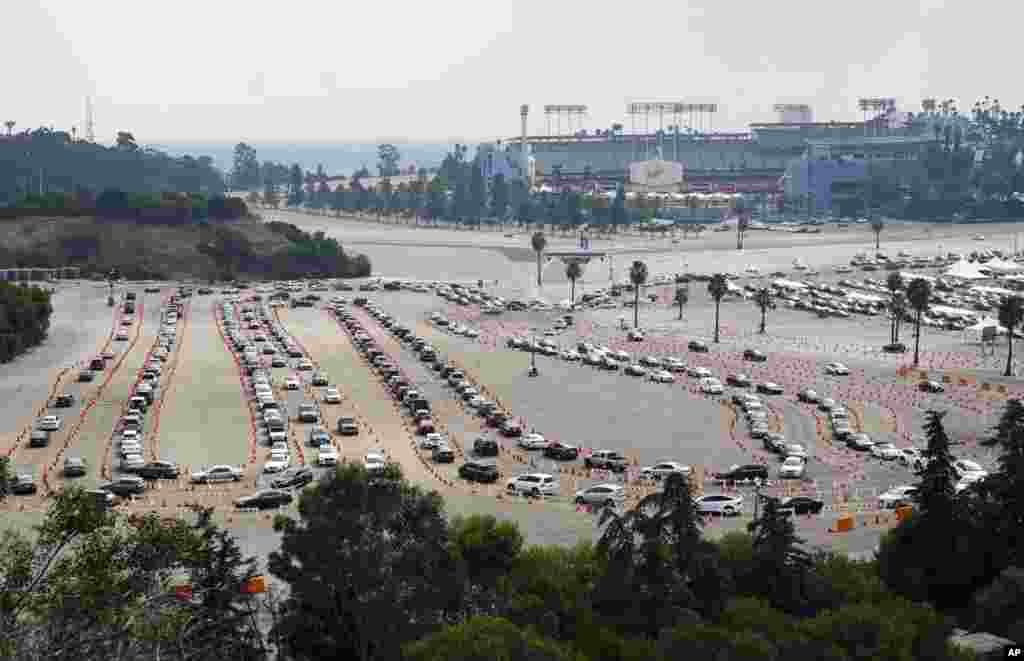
{"x": 724, "y": 504}
{"x": 602, "y": 495}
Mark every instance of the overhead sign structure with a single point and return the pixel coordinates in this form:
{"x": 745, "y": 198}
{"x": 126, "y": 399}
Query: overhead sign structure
{"x": 656, "y": 173}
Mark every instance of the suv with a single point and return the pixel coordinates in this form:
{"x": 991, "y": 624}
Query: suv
{"x": 347, "y": 426}
{"x": 748, "y": 472}
{"x": 74, "y": 467}
{"x": 64, "y": 400}
{"x": 563, "y": 451}
{"x": 606, "y": 460}
{"x": 308, "y": 412}
{"x": 485, "y": 447}
{"x": 476, "y": 471}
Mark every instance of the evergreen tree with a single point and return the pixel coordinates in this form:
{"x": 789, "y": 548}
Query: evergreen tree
{"x": 781, "y": 566}
{"x": 937, "y": 477}
{"x": 477, "y": 192}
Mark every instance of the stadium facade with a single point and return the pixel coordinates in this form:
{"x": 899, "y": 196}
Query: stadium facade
{"x": 817, "y": 161}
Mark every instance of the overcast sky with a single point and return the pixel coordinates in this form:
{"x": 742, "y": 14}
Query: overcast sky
{"x": 221, "y": 70}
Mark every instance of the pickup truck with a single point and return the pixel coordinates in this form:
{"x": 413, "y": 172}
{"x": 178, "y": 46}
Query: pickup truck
{"x": 219, "y": 473}
{"x": 606, "y": 460}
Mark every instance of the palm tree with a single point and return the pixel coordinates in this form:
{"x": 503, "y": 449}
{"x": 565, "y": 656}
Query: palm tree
{"x": 877, "y": 226}
{"x": 573, "y": 271}
{"x": 894, "y": 282}
{"x": 1011, "y": 313}
{"x": 763, "y": 298}
{"x": 919, "y": 294}
{"x": 682, "y": 294}
{"x": 10, "y": 124}
{"x": 638, "y": 276}
{"x": 539, "y": 243}
{"x": 718, "y": 287}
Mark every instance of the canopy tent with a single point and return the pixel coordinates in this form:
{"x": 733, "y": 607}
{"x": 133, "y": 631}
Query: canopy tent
{"x": 965, "y": 270}
{"x": 998, "y": 265}
{"x": 993, "y": 290}
{"x": 976, "y": 331}
{"x": 789, "y": 284}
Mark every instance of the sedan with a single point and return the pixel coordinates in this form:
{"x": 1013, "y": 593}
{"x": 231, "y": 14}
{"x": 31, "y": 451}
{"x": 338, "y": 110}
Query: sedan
{"x": 304, "y": 365}
{"x": 698, "y": 372}
{"x": 770, "y": 388}
{"x": 570, "y": 356}
{"x": 859, "y": 441}
{"x": 792, "y": 467}
{"x": 332, "y": 396}
{"x": 636, "y": 369}
{"x": 674, "y": 365}
{"x": 931, "y": 387}
{"x": 910, "y": 456}
{"x": 561, "y": 451}
{"x": 278, "y": 462}
{"x": 697, "y": 346}
{"x": 723, "y": 504}
{"x": 602, "y": 495}
{"x": 155, "y": 470}
{"x": 125, "y": 486}
{"x": 885, "y": 451}
{"x": 662, "y": 376}
{"x": 650, "y": 361}
{"x": 808, "y": 395}
{"x": 738, "y": 380}
{"x": 755, "y": 355}
{"x": 266, "y": 499}
{"x": 532, "y": 442}
{"x": 431, "y": 441}
{"x": 837, "y": 369}
{"x": 796, "y": 450}
{"x": 49, "y": 423}
{"x": 664, "y": 469}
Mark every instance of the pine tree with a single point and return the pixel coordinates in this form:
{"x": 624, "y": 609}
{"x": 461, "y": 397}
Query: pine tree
{"x": 935, "y": 490}
{"x": 781, "y": 565}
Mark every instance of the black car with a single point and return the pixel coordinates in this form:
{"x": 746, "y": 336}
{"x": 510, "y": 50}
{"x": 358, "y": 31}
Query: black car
{"x": 561, "y": 451}
{"x": 697, "y": 345}
{"x": 297, "y": 476}
{"x": 755, "y": 355}
{"x": 478, "y": 472}
{"x": 748, "y": 472}
{"x": 64, "y": 400}
{"x": 796, "y": 505}
{"x": 38, "y": 438}
{"x": 446, "y": 371}
{"x": 895, "y": 347}
{"x": 443, "y": 455}
{"x": 157, "y": 470}
{"x": 931, "y": 386}
{"x": 266, "y": 499}
{"x": 485, "y": 447}
{"x": 22, "y": 484}
{"x": 606, "y": 460}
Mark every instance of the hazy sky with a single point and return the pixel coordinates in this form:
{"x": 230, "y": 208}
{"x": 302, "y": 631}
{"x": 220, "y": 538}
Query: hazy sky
{"x": 221, "y": 70}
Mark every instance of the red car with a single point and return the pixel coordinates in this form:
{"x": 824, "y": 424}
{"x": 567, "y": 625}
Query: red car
{"x": 425, "y": 427}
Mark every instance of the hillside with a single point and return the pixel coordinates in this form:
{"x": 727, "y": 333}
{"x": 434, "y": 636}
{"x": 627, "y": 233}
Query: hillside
{"x": 246, "y": 247}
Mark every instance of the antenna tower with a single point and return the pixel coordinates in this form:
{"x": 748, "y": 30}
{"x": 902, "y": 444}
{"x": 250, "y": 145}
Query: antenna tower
{"x": 90, "y": 128}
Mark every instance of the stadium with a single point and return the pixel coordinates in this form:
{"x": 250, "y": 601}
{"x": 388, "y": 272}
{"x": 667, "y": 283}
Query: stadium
{"x": 792, "y": 156}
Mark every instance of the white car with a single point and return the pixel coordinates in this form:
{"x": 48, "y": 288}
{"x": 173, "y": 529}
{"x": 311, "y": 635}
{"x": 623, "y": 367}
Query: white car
{"x": 601, "y": 494}
{"x": 534, "y": 484}
{"x": 711, "y": 386}
{"x": 663, "y": 469}
{"x": 698, "y": 372}
{"x": 332, "y": 396}
{"x": 896, "y": 496}
{"x": 130, "y": 448}
{"x": 792, "y": 467}
{"x": 291, "y": 383}
{"x": 636, "y": 369}
{"x": 886, "y": 451}
{"x": 836, "y": 369}
{"x": 121, "y": 335}
{"x": 571, "y": 356}
{"x": 726, "y": 505}
{"x": 219, "y": 473}
{"x": 796, "y": 450}
{"x": 471, "y": 332}
{"x": 969, "y": 470}
{"x": 374, "y": 461}
{"x": 432, "y": 440}
{"x": 910, "y": 456}
{"x": 278, "y": 462}
{"x": 475, "y": 401}
{"x": 49, "y": 423}
{"x": 129, "y": 436}
{"x": 662, "y": 376}
{"x": 532, "y": 442}
{"x": 327, "y": 455}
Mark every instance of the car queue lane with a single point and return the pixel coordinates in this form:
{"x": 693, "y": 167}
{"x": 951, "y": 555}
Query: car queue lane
{"x": 93, "y": 440}
{"x": 380, "y": 423}
{"x": 204, "y": 419}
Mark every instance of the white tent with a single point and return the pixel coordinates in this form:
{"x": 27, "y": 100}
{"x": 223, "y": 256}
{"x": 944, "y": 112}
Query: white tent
{"x": 965, "y": 270}
{"x": 975, "y": 332}
{"x": 789, "y": 284}
{"x": 1002, "y": 266}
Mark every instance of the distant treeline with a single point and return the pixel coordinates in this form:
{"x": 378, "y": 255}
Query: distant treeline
{"x": 24, "y": 319}
{"x": 308, "y": 255}
{"x": 46, "y": 161}
{"x": 160, "y": 208}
